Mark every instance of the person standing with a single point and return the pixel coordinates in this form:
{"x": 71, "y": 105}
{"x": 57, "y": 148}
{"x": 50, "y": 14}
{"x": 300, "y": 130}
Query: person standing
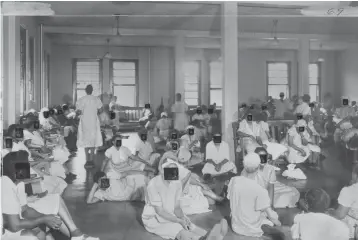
{"x": 180, "y": 110}
{"x": 282, "y": 106}
{"x": 89, "y": 132}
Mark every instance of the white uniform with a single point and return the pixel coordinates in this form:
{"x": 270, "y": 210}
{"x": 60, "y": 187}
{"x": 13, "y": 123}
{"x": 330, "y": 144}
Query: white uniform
{"x": 196, "y": 156}
{"x": 303, "y": 109}
{"x": 294, "y": 156}
{"x": 318, "y": 226}
{"x": 348, "y": 197}
{"x": 218, "y": 154}
{"x": 146, "y": 152}
{"x": 181, "y": 119}
{"x": 89, "y": 130}
{"x": 252, "y": 129}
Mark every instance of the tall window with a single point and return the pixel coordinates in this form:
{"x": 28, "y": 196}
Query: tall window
{"x": 216, "y": 90}
{"x": 31, "y": 80}
{"x": 87, "y": 71}
{"x": 23, "y": 66}
{"x": 125, "y": 81}
{"x": 315, "y": 81}
{"x": 192, "y": 83}
{"x": 278, "y": 78}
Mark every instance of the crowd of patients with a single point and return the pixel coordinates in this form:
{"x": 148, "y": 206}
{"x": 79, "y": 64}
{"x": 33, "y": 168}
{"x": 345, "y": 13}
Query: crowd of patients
{"x": 172, "y": 141}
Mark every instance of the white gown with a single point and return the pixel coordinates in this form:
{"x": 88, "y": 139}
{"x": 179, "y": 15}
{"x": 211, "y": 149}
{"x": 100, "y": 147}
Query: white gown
{"x": 89, "y": 131}
{"x": 218, "y": 154}
{"x": 181, "y": 120}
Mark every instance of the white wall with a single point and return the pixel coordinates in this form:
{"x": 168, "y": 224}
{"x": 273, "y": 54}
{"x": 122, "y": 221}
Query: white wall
{"x": 11, "y": 65}
{"x": 347, "y": 81}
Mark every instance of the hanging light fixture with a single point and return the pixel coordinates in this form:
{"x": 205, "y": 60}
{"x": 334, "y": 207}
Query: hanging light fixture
{"x": 320, "y": 59}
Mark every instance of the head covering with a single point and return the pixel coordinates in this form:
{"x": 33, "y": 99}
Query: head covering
{"x": 251, "y": 161}
{"x": 301, "y": 123}
{"x": 30, "y": 111}
{"x": 169, "y": 144}
{"x": 42, "y": 119}
{"x": 164, "y": 114}
{"x": 317, "y": 200}
{"x": 190, "y": 127}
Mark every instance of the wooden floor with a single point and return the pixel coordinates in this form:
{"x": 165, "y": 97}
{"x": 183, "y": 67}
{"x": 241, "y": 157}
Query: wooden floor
{"x": 121, "y": 220}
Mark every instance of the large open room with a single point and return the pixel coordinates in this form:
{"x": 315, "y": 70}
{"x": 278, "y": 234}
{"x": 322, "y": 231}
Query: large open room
{"x": 179, "y": 120}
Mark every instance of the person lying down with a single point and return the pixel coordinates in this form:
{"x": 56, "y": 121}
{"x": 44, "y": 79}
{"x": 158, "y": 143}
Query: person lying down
{"x": 162, "y": 214}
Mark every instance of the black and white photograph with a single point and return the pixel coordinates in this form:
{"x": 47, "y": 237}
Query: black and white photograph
{"x": 179, "y": 120}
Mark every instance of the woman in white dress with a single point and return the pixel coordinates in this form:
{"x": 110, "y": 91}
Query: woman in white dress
{"x": 180, "y": 109}
{"x": 302, "y": 108}
{"x": 281, "y": 195}
{"x": 163, "y": 215}
{"x": 347, "y": 210}
{"x": 249, "y": 132}
{"x": 191, "y": 142}
{"x": 218, "y": 158}
{"x": 89, "y": 131}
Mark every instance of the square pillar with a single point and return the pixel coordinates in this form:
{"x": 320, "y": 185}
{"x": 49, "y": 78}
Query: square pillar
{"x": 303, "y": 66}
{"x": 229, "y": 51}
{"x": 179, "y": 56}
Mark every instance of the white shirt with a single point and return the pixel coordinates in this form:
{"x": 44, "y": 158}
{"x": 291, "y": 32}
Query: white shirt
{"x": 252, "y": 128}
{"x": 348, "y": 197}
{"x": 217, "y": 154}
{"x": 318, "y": 226}
{"x": 247, "y": 201}
{"x": 118, "y": 157}
{"x": 303, "y": 109}
{"x": 20, "y": 146}
{"x": 35, "y": 136}
{"x": 144, "y": 149}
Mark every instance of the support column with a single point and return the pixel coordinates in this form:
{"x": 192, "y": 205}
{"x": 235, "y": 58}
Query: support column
{"x": 229, "y": 51}
{"x": 179, "y": 53}
{"x": 303, "y": 63}
{"x": 42, "y": 72}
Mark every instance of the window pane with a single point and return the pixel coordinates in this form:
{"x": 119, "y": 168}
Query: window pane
{"x": 274, "y": 90}
{"x": 117, "y": 65}
{"x": 278, "y": 74}
{"x": 192, "y": 80}
{"x": 314, "y": 92}
{"x": 190, "y": 87}
{"x": 191, "y": 102}
{"x": 278, "y": 66}
{"x": 191, "y": 95}
{"x": 275, "y": 80}
{"x": 124, "y": 80}
{"x": 215, "y": 74}
{"x": 216, "y": 97}
{"x": 126, "y": 95}
{"x": 88, "y": 72}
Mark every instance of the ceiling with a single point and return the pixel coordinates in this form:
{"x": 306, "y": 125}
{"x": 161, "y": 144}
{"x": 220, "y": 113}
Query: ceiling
{"x": 164, "y": 18}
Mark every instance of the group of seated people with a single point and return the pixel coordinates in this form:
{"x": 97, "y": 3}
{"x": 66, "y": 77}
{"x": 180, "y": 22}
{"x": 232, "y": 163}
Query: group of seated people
{"x": 166, "y": 183}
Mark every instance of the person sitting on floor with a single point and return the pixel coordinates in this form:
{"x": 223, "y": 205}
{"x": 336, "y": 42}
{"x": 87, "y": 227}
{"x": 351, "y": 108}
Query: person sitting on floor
{"x": 126, "y": 186}
{"x": 147, "y": 114}
{"x": 201, "y": 121}
{"x": 196, "y": 195}
{"x": 299, "y": 152}
{"x": 46, "y": 120}
{"x": 54, "y": 174}
{"x": 249, "y": 131}
{"x": 303, "y": 108}
{"x": 49, "y": 209}
{"x": 162, "y": 214}
{"x": 281, "y": 195}
{"x": 275, "y": 149}
{"x": 347, "y": 210}
{"x": 191, "y": 142}
{"x": 218, "y": 158}
{"x": 251, "y": 212}
{"x": 143, "y": 149}
{"x": 313, "y": 223}
{"x": 308, "y": 137}
{"x": 121, "y": 159}
{"x": 163, "y": 126}
{"x": 176, "y": 152}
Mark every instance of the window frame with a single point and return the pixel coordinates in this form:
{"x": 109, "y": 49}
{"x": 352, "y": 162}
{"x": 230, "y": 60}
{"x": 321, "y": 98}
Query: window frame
{"x": 289, "y": 76}
{"x": 111, "y": 82}
{"x": 210, "y": 88}
{"x": 319, "y": 79}
{"x": 24, "y": 66}
{"x": 74, "y": 74}
{"x": 199, "y": 84}
{"x": 32, "y": 69}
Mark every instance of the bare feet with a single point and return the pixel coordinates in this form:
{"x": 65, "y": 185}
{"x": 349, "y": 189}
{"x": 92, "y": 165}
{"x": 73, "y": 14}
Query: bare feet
{"x": 219, "y": 231}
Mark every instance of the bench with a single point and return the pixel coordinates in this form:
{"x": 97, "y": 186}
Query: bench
{"x": 278, "y": 130}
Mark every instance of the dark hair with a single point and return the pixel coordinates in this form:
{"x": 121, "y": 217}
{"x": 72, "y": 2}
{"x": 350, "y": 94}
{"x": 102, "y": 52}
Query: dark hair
{"x": 353, "y": 142}
{"x": 306, "y": 98}
{"x": 11, "y": 129}
{"x": 9, "y": 163}
{"x": 317, "y": 200}
{"x": 89, "y": 89}
{"x": 98, "y": 175}
{"x": 116, "y": 136}
{"x": 178, "y": 95}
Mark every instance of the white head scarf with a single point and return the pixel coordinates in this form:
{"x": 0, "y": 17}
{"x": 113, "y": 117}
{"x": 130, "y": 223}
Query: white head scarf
{"x": 301, "y": 123}
{"x": 163, "y": 114}
{"x": 251, "y": 161}
{"x": 42, "y": 119}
